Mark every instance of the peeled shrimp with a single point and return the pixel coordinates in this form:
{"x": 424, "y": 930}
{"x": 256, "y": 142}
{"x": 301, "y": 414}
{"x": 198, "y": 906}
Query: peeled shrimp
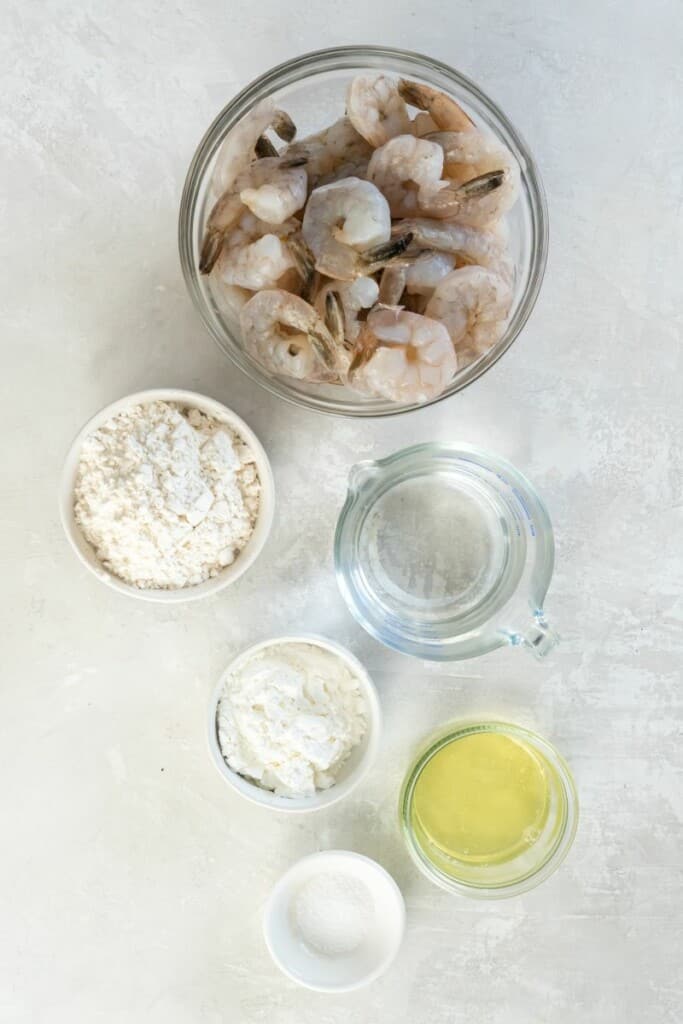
{"x": 376, "y": 109}
{"x": 423, "y": 275}
{"x": 287, "y": 336}
{"x": 277, "y": 190}
{"x": 341, "y": 220}
{"x": 473, "y": 244}
{"x": 361, "y": 293}
{"x": 472, "y": 155}
{"x": 443, "y": 110}
{"x": 402, "y": 168}
{"x": 255, "y": 254}
{"x": 237, "y": 150}
{"x": 403, "y": 356}
{"x": 408, "y": 171}
{"x": 272, "y": 188}
{"x": 337, "y": 151}
{"x": 473, "y": 303}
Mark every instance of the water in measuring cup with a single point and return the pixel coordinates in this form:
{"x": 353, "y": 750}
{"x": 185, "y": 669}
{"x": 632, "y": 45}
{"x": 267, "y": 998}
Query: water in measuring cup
{"x": 434, "y": 547}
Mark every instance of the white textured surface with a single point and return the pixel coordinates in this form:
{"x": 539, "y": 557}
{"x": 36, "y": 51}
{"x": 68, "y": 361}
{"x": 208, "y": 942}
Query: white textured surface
{"x": 132, "y": 878}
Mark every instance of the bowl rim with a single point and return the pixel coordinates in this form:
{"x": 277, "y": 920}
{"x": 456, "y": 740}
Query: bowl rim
{"x": 285, "y": 881}
{"x": 322, "y": 798}
{"x": 344, "y": 58}
{"x": 247, "y": 556}
{"x": 457, "y": 730}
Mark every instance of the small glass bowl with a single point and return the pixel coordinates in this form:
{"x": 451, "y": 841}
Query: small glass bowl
{"x": 531, "y": 867}
{"x": 312, "y": 89}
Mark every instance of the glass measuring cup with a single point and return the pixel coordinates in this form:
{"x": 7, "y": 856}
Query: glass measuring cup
{"x": 445, "y": 552}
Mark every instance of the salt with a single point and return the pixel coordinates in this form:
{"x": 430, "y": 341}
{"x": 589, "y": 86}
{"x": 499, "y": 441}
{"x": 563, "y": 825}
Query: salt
{"x": 333, "y": 913}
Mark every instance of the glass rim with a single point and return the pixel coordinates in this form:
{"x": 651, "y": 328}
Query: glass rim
{"x": 343, "y": 58}
{"x": 559, "y": 849}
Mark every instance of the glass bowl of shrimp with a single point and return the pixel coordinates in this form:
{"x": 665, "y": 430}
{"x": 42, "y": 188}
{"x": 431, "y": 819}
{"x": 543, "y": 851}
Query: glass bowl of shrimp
{"x": 363, "y": 231}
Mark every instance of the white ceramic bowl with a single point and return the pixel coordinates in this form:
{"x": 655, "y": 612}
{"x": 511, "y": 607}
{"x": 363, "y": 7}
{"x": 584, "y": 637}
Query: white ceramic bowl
{"x": 353, "y": 769}
{"x": 352, "y": 970}
{"x": 247, "y": 555}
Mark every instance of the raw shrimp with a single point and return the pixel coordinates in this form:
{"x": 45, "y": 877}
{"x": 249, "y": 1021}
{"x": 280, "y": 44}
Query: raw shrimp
{"x": 273, "y": 189}
{"x": 361, "y": 293}
{"x": 392, "y": 285}
{"x": 443, "y": 110}
{"x": 255, "y": 254}
{"x": 472, "y": 155}
{"x": 424, "y": 274}
{"x": 408, "y": 172}
{"x": 287, "y": 336}
{"x": 403, "y": 356}
{"x": 475, "y": 245}
{"x": 376, "y": 109}
{"x": 341, "y": 220}
{"x": 337, "y": 151}
{"x": 402, "y": 168}
{"x": 473, "y": 303}
{"x": 237, "y": 150}
{"x": 277, "y": 189}
{"x": 470, "y": 203}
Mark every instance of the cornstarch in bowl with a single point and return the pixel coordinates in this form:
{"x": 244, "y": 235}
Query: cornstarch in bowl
{"x": 294, "y": 723}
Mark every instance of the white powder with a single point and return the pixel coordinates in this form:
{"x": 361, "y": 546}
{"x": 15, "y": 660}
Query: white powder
{"x": 289, "y": 718}
{"x": 166, "y": 495}
{"x": 333, "y": 913}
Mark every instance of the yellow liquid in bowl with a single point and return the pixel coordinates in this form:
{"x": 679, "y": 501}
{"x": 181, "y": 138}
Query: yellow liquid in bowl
{"x": 481, "y": 799}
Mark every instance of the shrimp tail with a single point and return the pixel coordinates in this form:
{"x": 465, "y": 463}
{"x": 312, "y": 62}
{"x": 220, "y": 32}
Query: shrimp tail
{"x": 387, "y": 251}
{"x": 283, "y": 126}
{"x": 443, "y": 109}
{"x": 481, "y": 185}
{"x": 264, "y": 147}
{"x": 413, "y": 94}
{"x": 365, "y": 347}
{"x": 211, "y": 250}
{"x": 305, "y": 263}
{"x": 334, "y": 317}
{"x": 323, "y": 344}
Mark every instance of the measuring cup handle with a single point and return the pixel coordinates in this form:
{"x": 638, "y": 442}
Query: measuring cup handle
{"x": 539, "y": 638}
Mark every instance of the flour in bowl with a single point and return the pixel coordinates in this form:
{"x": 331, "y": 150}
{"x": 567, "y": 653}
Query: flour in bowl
{"x": 166, "y": 495}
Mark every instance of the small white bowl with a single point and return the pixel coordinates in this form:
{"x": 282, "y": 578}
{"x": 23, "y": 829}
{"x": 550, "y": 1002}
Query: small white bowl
{"x": 247, "y": 555}
{"x": 352, "y": 970}
{"x": 351, "y": 772}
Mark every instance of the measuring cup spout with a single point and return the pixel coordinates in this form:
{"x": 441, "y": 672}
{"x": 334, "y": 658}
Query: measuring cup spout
{"x": 539, "y": 638}
{"x": 360, "y": 473}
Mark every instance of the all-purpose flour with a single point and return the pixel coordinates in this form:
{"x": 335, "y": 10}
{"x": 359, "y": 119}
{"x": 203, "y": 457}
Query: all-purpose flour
{"x": 166, "y": 495}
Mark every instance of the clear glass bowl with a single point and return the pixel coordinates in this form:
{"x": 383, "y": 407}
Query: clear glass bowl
{"x": 539, "y": 858}
{"x": 312, "y": 90}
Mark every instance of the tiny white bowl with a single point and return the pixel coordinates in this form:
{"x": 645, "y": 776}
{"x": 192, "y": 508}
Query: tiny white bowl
{"x": 249, "y": 552}
{"x": 351, "y": 772}
{"x": 352, "y": 970}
